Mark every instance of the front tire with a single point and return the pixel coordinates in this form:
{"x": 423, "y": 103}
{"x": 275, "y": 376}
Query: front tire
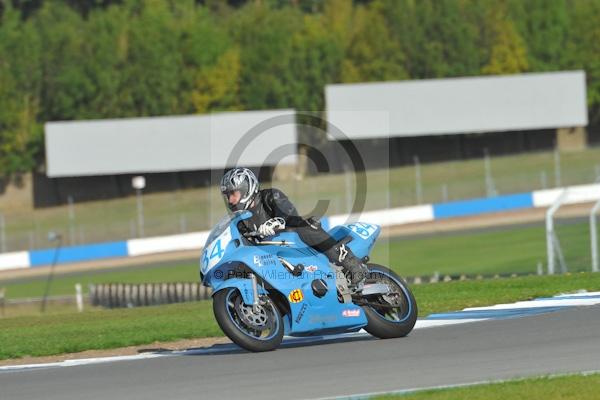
{"x": 260, "y": 330}
{"x": 386, "y": 322}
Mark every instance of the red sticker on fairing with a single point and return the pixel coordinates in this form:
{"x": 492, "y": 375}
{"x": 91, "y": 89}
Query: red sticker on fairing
{"x": 351, "y": 313}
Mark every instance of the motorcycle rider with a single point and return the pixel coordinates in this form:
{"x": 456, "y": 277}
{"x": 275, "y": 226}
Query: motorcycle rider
{"x": 272, "y": 211}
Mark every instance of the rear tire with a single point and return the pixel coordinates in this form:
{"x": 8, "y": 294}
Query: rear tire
{"x": 386, "y": 323}
{"x": 262, "y": 331}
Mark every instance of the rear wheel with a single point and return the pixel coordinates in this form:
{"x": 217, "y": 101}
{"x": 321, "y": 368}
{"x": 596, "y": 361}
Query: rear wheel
{"x": 254, "y": 329}
{"x": 391, "y": 315}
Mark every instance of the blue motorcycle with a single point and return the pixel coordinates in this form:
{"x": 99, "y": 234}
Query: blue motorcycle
{"x": 265, "y": 288}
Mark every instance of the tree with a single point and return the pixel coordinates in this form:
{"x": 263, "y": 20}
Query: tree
{"x": 265, "y": 36}
{"x": 315, "y": 61}
{"x": 152, "y": 73}
{"x": 20, "y": 133}
{"x": 508, "y": 54}
{"x": 372, "y": 54}
{"x": 438, "y": 37}
{"x": 583, "y": 50}
{"x": 544, "y": 26}
{"x": 203, "y": 43}
{"x": 218, "y": 86}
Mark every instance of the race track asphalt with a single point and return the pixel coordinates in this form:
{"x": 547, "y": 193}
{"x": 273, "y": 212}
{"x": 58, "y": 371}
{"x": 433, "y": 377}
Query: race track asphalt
{"x": 558, "y": 342}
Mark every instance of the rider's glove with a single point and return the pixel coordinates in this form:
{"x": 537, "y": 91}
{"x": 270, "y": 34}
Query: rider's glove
{"x": 270, "y": 226}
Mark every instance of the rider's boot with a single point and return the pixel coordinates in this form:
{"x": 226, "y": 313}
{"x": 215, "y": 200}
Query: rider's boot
{"x": 353, "y": 266}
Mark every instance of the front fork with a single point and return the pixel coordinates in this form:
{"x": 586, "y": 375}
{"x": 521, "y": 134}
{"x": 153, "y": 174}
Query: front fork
{"x": 255, "y": 301}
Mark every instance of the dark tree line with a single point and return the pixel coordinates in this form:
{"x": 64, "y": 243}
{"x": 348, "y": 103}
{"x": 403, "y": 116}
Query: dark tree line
{"x": 84, "y": 59}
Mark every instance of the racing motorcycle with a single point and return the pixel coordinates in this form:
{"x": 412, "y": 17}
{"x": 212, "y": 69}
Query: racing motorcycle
{"x": 265, "y": 288}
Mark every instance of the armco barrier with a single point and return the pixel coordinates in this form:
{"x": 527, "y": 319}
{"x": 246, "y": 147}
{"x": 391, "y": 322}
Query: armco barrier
{"x": 78, "y": 253}
{"x": 391, "y": 217}
{"x": 482, "y": 206}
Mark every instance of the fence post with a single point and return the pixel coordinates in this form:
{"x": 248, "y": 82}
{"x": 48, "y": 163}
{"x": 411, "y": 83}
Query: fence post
{"x": 445, "y": 192}
{"x": 594, "y": 236}
{"x": 2, "y": 295}
{"x": 551, "y": 239}
{"x": 543, "y": 179}
{"x": 556, "y": 167}
{"x": 79, "y": 297}
{"x": 348, "y": 185}
{"x": 71, "y": 220}
{"x": 2, "y": 234}
{"x": 183, "y": 223}
{"x": 490, "y": 188}
{"x": 418, "y": 183}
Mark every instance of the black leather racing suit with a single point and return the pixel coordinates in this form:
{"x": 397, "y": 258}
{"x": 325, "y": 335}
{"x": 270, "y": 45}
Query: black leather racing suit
{"x": 271, "y": 203}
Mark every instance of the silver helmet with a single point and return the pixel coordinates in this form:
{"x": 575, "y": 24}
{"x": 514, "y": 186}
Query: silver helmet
{"x": 245, "y": 181}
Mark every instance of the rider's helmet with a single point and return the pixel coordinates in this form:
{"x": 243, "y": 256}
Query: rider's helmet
{"x": 241, "y": 179}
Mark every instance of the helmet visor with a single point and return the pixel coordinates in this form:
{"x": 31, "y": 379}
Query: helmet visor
{"x": 233, "y": 199}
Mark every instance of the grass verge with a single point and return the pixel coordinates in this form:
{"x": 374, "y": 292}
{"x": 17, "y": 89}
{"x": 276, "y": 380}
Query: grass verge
{"x": 105, "y": 329}
{"x": 491, "y": 251}
{"x": 575, "y": 387}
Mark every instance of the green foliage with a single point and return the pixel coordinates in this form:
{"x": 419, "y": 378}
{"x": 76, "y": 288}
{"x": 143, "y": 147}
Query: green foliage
{"x": 218, "y": 86}
{"x": 583, "y": 49}
{"x": 507, "y": 49}
{"x": 265, "y": 38}
{"x": 544, "y": 27}
{"x": 371, "y": 53}
{"x": 437, "y": 37}
{"x": 20, "y": 77}
{"x": 82, "y": 59}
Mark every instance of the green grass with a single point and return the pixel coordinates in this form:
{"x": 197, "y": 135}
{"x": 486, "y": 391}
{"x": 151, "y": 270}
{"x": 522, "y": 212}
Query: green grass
{"x": 198, "y": 209}
{"x": 498, "y": 250}
{"x": 572, "y": 387}
{"x": 456, "y": 295}
{"x": 104, "y": 329}
{"x": 502, "y": 250}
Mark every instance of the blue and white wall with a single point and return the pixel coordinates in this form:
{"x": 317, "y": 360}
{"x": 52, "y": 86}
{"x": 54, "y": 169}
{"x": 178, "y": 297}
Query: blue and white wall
{"x": 390, "y": 217}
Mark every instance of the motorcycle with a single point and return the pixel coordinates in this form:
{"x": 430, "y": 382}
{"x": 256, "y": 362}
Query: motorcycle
{"x": 265, "y": 288}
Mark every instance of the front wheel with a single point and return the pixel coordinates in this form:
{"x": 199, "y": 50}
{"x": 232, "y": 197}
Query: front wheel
{"x": 254, "y": 329}
{"x": 391, "y": 315}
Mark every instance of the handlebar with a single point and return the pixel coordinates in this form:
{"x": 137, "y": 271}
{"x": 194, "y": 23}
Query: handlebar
{"x": 259, "y": 239}
{"x": 253, "y": 234}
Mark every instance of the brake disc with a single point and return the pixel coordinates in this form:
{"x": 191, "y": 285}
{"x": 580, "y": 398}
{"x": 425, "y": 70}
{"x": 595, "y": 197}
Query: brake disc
{"x": 256, "y": 318}
{"x": 393, "y": 299}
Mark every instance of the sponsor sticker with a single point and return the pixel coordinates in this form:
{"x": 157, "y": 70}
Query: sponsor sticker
{"x": 301, "y": 313}
{"x": 264, "y": 260}
{"x": 363, "y": 229}
{"x": 311, "y": 268}
{"x": 351, "y": 313}
{"x": 296, "y": 296}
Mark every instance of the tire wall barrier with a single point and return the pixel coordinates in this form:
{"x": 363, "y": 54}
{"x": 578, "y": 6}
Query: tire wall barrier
{"x": 118, "y": 295}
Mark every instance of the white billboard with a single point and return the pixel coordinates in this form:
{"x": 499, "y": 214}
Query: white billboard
{"x": 169, "y": 144}
{"x": 458, "y": 105}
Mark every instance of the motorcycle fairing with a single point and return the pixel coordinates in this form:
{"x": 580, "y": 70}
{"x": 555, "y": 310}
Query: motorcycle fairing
{"x": 309, "y": 314}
